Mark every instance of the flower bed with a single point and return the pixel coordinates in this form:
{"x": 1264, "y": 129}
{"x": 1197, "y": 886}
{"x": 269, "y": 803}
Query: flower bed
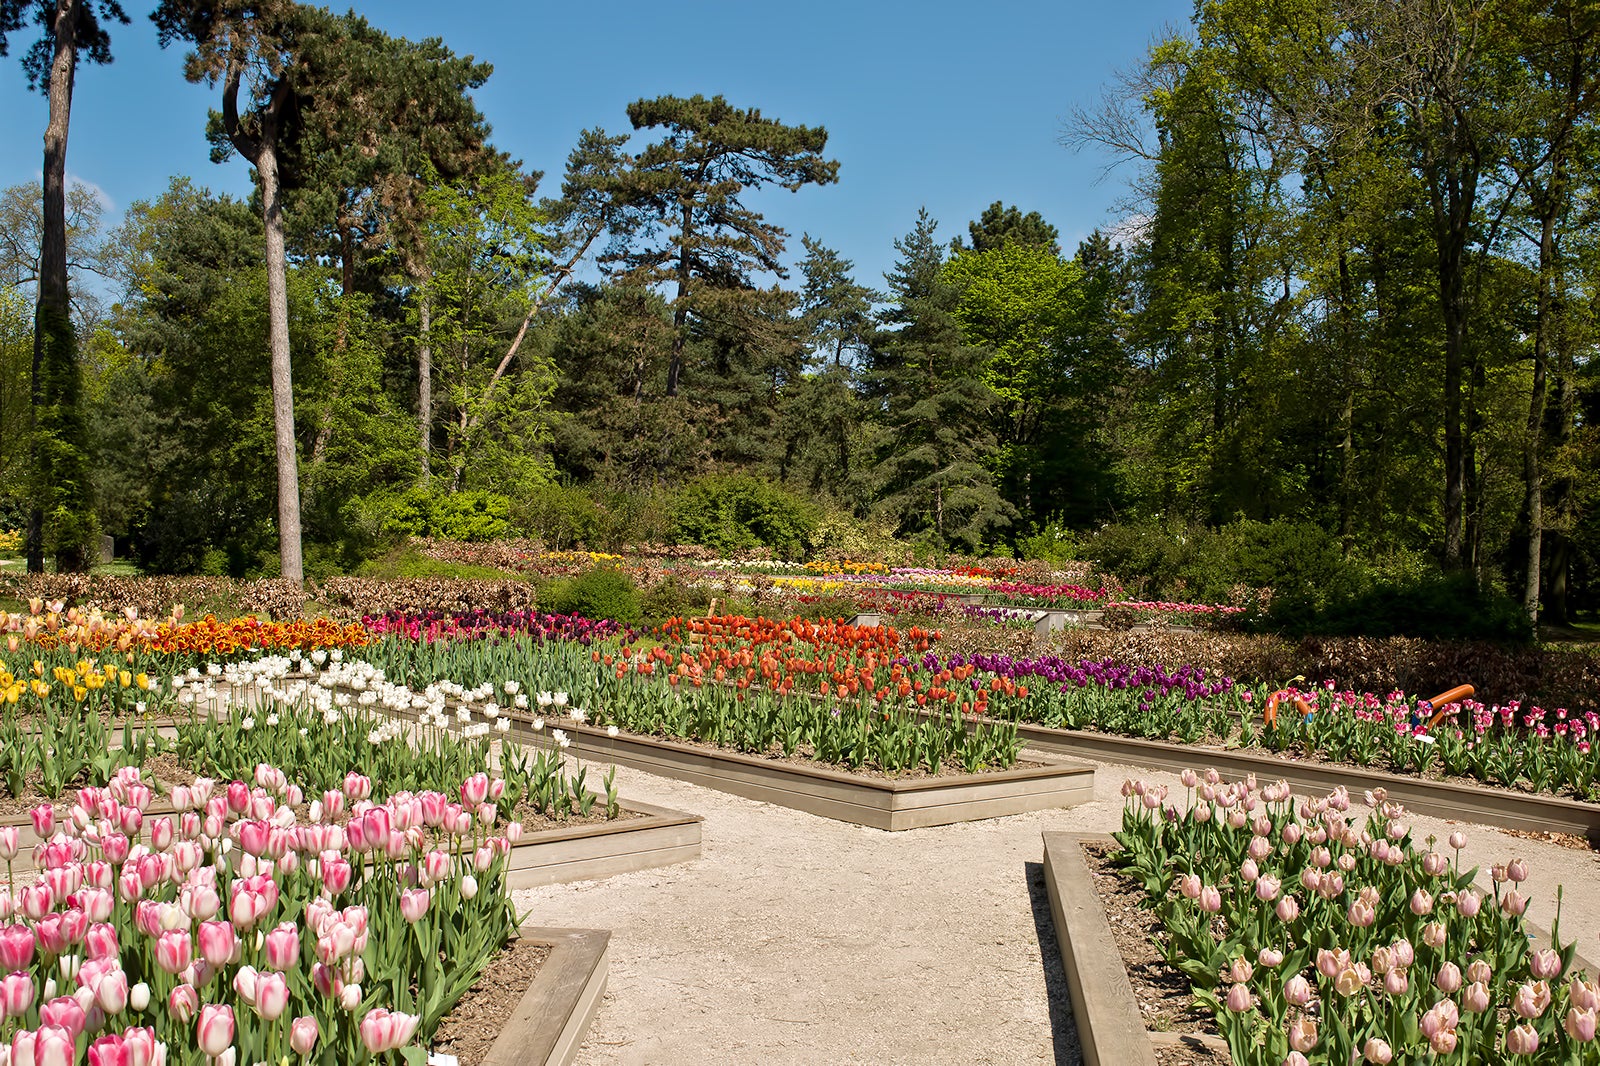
{"x": 232, "y": 928}
{"x": 1315, "y": 934}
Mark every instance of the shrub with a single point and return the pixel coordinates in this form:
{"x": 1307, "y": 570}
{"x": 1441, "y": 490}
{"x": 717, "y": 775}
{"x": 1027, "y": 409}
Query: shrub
{"x": 1051, "y": 541}
{"x": 1438, "y": 606}
{"x": 419, "y": 512}
{"x": 604, "y": 592}
{"x": 561, "y": 516}
{"x": 730, "y": 512}
{"x": 671, "y": 597}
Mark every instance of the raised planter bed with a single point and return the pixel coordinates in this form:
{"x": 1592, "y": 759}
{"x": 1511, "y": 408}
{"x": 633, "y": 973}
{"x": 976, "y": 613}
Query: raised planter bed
{"x": 654, "y": 837}
{"x": 1110, "y": 1029}
{"x": 882, "y": 803}
{"x": 1104, "y": 1007}
{"x": 549, "y": 1023}
{"x": 1442, "y": 799}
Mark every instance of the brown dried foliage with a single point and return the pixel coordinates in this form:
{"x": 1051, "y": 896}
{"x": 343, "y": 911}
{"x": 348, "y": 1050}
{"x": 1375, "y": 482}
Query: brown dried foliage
{"x": 1552, "y": 676}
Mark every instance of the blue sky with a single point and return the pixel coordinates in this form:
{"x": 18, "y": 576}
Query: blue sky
{"x": 948, "y": 105}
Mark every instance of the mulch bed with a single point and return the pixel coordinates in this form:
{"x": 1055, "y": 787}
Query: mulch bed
{"x": 1166, "y": 1000}
{"x": 470, "y": 1030}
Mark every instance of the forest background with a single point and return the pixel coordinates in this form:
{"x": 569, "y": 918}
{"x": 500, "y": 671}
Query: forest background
{"x": 1349, "y": 333}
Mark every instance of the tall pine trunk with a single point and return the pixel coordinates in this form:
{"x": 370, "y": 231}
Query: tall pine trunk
{"x": 282, "y": 378}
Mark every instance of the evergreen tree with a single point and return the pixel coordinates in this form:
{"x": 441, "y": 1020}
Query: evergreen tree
{"x": 1002, "y": 224}
{"x": 690, "y": 184}
{"x": 935, "y": 408}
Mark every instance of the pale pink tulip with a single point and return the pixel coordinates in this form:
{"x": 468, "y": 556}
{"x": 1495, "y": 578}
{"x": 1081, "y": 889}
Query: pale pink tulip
{"x": 282, "y": 946}
{"x": 1579, "y": 1024}
{"x": 1448, "y": 979}
{"x": 1297, "y": 991}
{"x": 1377, "y": 1051}
{"x": 1522, "y": 1040}
{"x": 1545, "y": 964}
{"x": 1517, "y": 870}
{"x": 183, "y": 1003}
{"x": 214, "y": 1033}
{"x": 1238, "y": 999}
{"x": 1476, "y": 997}
{"x": 272, "y": 996}
{"x": 303, "y": 1035}
{"x": 1303, "y": 1034}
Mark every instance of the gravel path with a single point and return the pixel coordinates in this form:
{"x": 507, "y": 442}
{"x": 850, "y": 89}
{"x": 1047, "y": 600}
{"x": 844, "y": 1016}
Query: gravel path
{"x": 798, "y": 939}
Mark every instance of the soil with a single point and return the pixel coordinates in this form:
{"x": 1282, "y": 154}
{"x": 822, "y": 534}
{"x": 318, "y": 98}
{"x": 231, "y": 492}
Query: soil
{"x": 475, "y": 1023}
{"x": 1165, "y": 997}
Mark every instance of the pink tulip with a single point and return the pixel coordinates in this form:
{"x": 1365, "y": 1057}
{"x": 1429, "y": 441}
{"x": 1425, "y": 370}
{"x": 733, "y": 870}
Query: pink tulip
{"x": 1433, "y": 935}
{"x": 64, "y": 1012}
{"x": 336, "y": 875}
{"x": 238, "y": 797}
{"x": 1513, "y": 902}
{"x": 16, "y": 994}
{"x": 16, "y": 947}
{"x": 1580, "y": 1024}
{"x": 1545, "y": 964}
{"x": 1303, "y": 1034}
{"x": 1238, "y": 999}
{"x": 1361, "y": 914}
{"x": 1329, "y": 963}
{"x": 1468, "y": 903}
{"x": 1421, "y": 903}
{"x": 215, "y": 1031}
{"x": 1585, "y": 995}
{"x": 303, "y": 1035}
{"x": 283, "y": 947}
{"x": 475, "y": 789}
{"x": 1458, "y": 840}
{"x": 1434, "y": 864}
{"x": 1383, "y": 960}
{"x": 1479, "y": 972}
{"x": 1239, "y": 971}
{"x": 141, "y": 1048}
{"x": 1377, "y": 1050}
{"x": 1448, "y": 979}
{"x": 1443, "y": 1042}
{"x": 1395, "y": 982}
{"x": 357, "y": 787}
{"x": 1522, "y": 1040}
{"x": 1271, "y": 958}
{"x": 48, "y": 1045}
{"x": 44, "y": 820}
{"x": 111, "y": 992}
{"x": 383, "y": 1031}
{"x": 1517, "y": 871}
{"x": 217, "y": 940}
{"x": 174, "y": 950}
{"x": 414, "y": 904}
{"x": 1288, "y": 909}
{"x": 1476, "y": 997}
{"x": 183, "y": 1003}
{"x": 1210, "y": 900}
{"x": 272, "y": 996}
{"x": 1267, "y": 888}
{"x": 245, "y": 981}
{"x": 1294, "y": 1058}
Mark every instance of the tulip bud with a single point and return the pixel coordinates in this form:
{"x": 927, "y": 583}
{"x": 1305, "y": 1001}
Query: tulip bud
{"x": 1238, "y": 999}
{"x": 303, "y": 1035}
{"x": 1378, "y": 1051}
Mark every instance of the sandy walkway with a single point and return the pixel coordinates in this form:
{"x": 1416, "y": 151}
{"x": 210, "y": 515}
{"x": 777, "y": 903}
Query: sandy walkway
{"x": 796, "y": 939}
